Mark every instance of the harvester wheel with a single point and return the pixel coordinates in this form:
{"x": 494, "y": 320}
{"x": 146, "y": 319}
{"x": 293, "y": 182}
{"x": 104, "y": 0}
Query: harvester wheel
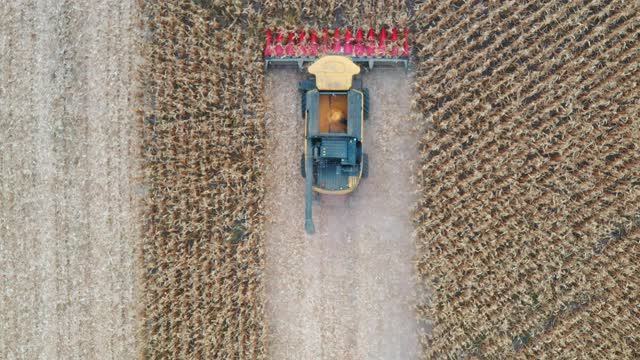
{"x": 365, "y": 166}
{"x": 365, "y": 92}
{"x": 307, "y": 85}
{"x": 303, "y": 170}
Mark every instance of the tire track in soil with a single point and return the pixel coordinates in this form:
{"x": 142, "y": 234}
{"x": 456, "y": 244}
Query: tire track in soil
{"x": 348, "y": 291}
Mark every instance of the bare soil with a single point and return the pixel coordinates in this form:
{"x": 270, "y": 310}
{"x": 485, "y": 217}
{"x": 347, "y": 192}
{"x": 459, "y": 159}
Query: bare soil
{"x": 68, "y": 223}
{"x": 346, "y": 292}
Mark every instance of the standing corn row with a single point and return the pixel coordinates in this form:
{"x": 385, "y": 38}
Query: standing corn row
{"x": 202, "y": 248}
{"x": 528, "y": 222}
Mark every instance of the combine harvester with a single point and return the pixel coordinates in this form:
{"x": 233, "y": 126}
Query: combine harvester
{"x": 334, "y": 104}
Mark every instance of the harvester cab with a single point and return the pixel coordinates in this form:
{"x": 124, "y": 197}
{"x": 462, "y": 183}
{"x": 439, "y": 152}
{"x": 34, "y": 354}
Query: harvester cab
{"x": 335, "y": 105}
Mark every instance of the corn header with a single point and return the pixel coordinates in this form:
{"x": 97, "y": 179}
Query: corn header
{"x": 301, "y": 47}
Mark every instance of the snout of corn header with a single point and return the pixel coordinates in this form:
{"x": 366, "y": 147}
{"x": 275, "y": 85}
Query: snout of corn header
{"x": 303, "y": 46}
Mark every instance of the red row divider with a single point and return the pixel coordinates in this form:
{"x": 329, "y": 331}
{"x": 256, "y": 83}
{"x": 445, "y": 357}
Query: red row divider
{"x": 303, "y": 44}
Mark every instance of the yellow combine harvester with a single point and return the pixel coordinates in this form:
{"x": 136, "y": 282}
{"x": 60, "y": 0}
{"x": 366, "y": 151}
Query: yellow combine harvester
{"x": 334, "y": 106}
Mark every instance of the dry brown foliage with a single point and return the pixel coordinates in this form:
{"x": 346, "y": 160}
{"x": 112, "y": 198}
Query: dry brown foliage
{"x": 203, "y": 251}
{"x": 528, "y": 224}
{"x": 334, "y": 13}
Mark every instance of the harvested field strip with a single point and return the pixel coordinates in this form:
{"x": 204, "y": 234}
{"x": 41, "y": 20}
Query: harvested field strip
{"x": 535, "y": 126}
{"x": 328, "y": 298}
{"x": 69, "y": 225}
{"x": 347, "y": 291}
{"x": 203, "y": 251}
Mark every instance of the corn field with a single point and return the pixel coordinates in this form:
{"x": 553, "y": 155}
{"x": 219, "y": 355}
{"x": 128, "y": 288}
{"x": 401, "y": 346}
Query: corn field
{"x": 527, "y": 224}
{"x": 203, "y": 253}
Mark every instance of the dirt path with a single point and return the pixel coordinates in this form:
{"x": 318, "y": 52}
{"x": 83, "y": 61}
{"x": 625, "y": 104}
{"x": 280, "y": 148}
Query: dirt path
{"x": 67, "y": 147}
{"x": 347, "y": 291}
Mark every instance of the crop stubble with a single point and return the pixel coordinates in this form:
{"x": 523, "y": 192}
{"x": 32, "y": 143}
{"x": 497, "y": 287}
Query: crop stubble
{"x": 68, "y": 148}
{"x": 346, "y": 291}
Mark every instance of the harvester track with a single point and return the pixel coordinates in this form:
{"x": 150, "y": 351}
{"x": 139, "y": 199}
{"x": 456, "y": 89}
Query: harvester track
{"x": 345, "y": 292}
